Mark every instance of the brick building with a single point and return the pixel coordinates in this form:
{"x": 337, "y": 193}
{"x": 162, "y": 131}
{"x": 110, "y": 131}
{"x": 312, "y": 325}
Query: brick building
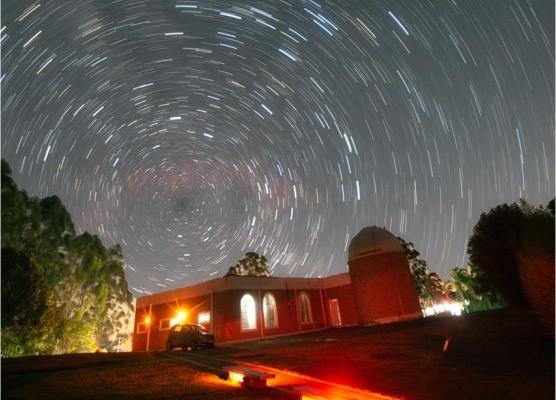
{"x": 377, "y": 289}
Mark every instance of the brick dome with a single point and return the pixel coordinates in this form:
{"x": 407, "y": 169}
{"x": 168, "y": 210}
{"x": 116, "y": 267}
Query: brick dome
{"x": 372, "y": 240}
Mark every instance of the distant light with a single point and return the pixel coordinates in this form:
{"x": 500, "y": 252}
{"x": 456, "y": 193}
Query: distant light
{"x": 454, "y": 308}
{"x": 148, "y": 320}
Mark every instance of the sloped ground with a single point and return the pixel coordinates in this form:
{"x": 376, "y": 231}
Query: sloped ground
{"x": 495, "y": 355}
{"x": 115, "y": 376}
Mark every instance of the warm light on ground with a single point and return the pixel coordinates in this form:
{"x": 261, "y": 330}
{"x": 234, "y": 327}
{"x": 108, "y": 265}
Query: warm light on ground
{"x": 326, "y": 390}
{"x": 213, "y": 380}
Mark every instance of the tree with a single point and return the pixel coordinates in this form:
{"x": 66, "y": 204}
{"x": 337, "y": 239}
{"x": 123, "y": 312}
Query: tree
{"x": 493, "y": 248}
{"x": 14, "y": 209}
{"x": 251, "y": 265}
{"x": 27, "y": 306}
{"x": 24, "y": 290}
{"x": 112, "y": 323}
{"x": 469, "y": 287}
{"x": 436, "y": 288}
{"x": 60, "y": 292}
{"x": 504, "y": 236}
{"x": 420, "y": 272}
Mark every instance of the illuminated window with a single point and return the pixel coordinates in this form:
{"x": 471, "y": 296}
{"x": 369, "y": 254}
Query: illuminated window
{"x": 248, "y": 313}
{"x": 305, "y": 308}
{"x": 141, "y": 327}
{"x": 269, "y": 311}
{"x": 164, "y": 324}
{"x": 203, "y": 318}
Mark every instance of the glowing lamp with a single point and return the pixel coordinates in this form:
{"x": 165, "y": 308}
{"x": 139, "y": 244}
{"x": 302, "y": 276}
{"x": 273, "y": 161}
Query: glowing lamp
{"x": 148, "y": 320}
{"x": 235, "y": 377}
{"x": 179, "y": 318}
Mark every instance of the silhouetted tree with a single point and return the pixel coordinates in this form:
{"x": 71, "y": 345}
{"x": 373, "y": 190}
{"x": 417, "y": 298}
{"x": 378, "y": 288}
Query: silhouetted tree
{"x": 493, "y": 248}
{"x": 501, "y": 235}
{"x": 420, "y": 272}
{"x": 251, "y": 265}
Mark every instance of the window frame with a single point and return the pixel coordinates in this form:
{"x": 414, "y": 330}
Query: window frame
{"x": 208, "y": 321}
{"x": 140, "y": 331}
{"x": 248, "y": 329}
{"x": 276, "y": 325}
{"x": 160, "y": 328}
{"x": 303, "y": 295}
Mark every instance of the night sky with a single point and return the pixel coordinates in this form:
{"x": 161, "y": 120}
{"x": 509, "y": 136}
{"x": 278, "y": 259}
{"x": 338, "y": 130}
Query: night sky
{"x": 191, "y": 132}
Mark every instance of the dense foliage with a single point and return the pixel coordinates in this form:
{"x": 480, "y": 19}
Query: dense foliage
{"x": 61, "y": 292}
{"x": 469, "y": 286}
{"x": 251, "y": 265}
{"x": 429, "y": 286}
{"x": 502, "y": 236}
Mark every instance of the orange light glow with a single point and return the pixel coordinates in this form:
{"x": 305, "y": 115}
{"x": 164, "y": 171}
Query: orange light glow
{"x": 148, "y": 320}
{"x": 235, "y": 377}
{"x": 180, "y": 317}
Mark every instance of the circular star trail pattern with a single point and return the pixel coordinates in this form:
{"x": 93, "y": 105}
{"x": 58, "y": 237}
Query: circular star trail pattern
{"x": 191, "y": 132}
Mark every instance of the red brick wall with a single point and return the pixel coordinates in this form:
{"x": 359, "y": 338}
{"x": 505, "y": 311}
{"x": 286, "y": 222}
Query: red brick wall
{"x": 228, "y": 314}
{"x": 226, "y": 319}
{"x": 193, "y": 306}
{"x": 383, "y": 287}
{"x": 286, "y": 310}
{"x": 346, "y": 302}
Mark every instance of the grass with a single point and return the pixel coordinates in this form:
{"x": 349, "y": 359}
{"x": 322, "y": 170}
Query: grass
{"x": 114, "y": 376}
{"x": 492, "y": 355}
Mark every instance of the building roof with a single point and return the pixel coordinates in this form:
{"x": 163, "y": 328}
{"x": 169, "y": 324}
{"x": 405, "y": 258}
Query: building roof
{"x": 372, "y": 240}
{"x": 244, "y": 283}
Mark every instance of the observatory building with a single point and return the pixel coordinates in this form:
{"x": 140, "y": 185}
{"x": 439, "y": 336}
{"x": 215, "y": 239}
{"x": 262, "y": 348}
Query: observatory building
{"x": 378, "y": 288}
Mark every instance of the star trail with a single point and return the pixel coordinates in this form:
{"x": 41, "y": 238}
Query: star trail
{"x": 191, "y": 132}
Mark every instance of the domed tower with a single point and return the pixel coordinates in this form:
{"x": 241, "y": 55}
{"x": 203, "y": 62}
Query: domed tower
{"x": 382, "y": 283}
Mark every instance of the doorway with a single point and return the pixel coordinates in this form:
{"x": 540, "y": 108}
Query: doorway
{"x": 334, "y": 308}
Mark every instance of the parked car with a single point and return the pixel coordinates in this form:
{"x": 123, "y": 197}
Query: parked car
{"x": 189, "y": 336}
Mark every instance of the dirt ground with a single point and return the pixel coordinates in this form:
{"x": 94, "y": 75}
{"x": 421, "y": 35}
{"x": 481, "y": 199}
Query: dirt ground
{"x": 495, "y": 355}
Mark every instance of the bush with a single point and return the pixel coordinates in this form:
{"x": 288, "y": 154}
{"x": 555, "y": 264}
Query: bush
{"x": 503, "y": 238}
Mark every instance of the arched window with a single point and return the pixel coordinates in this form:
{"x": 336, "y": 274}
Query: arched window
{"x": 305, "y": 308}
{"x": 269, "y": 311}
{"x": 248, "y": 313}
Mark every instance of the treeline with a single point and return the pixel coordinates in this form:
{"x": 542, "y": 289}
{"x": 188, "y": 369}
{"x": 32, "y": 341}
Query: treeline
{"x": 513, "y": 246}
{"x": 467, "y": 285}
{"x": 511, "y": 263}
{"x": 61, "y": 292}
